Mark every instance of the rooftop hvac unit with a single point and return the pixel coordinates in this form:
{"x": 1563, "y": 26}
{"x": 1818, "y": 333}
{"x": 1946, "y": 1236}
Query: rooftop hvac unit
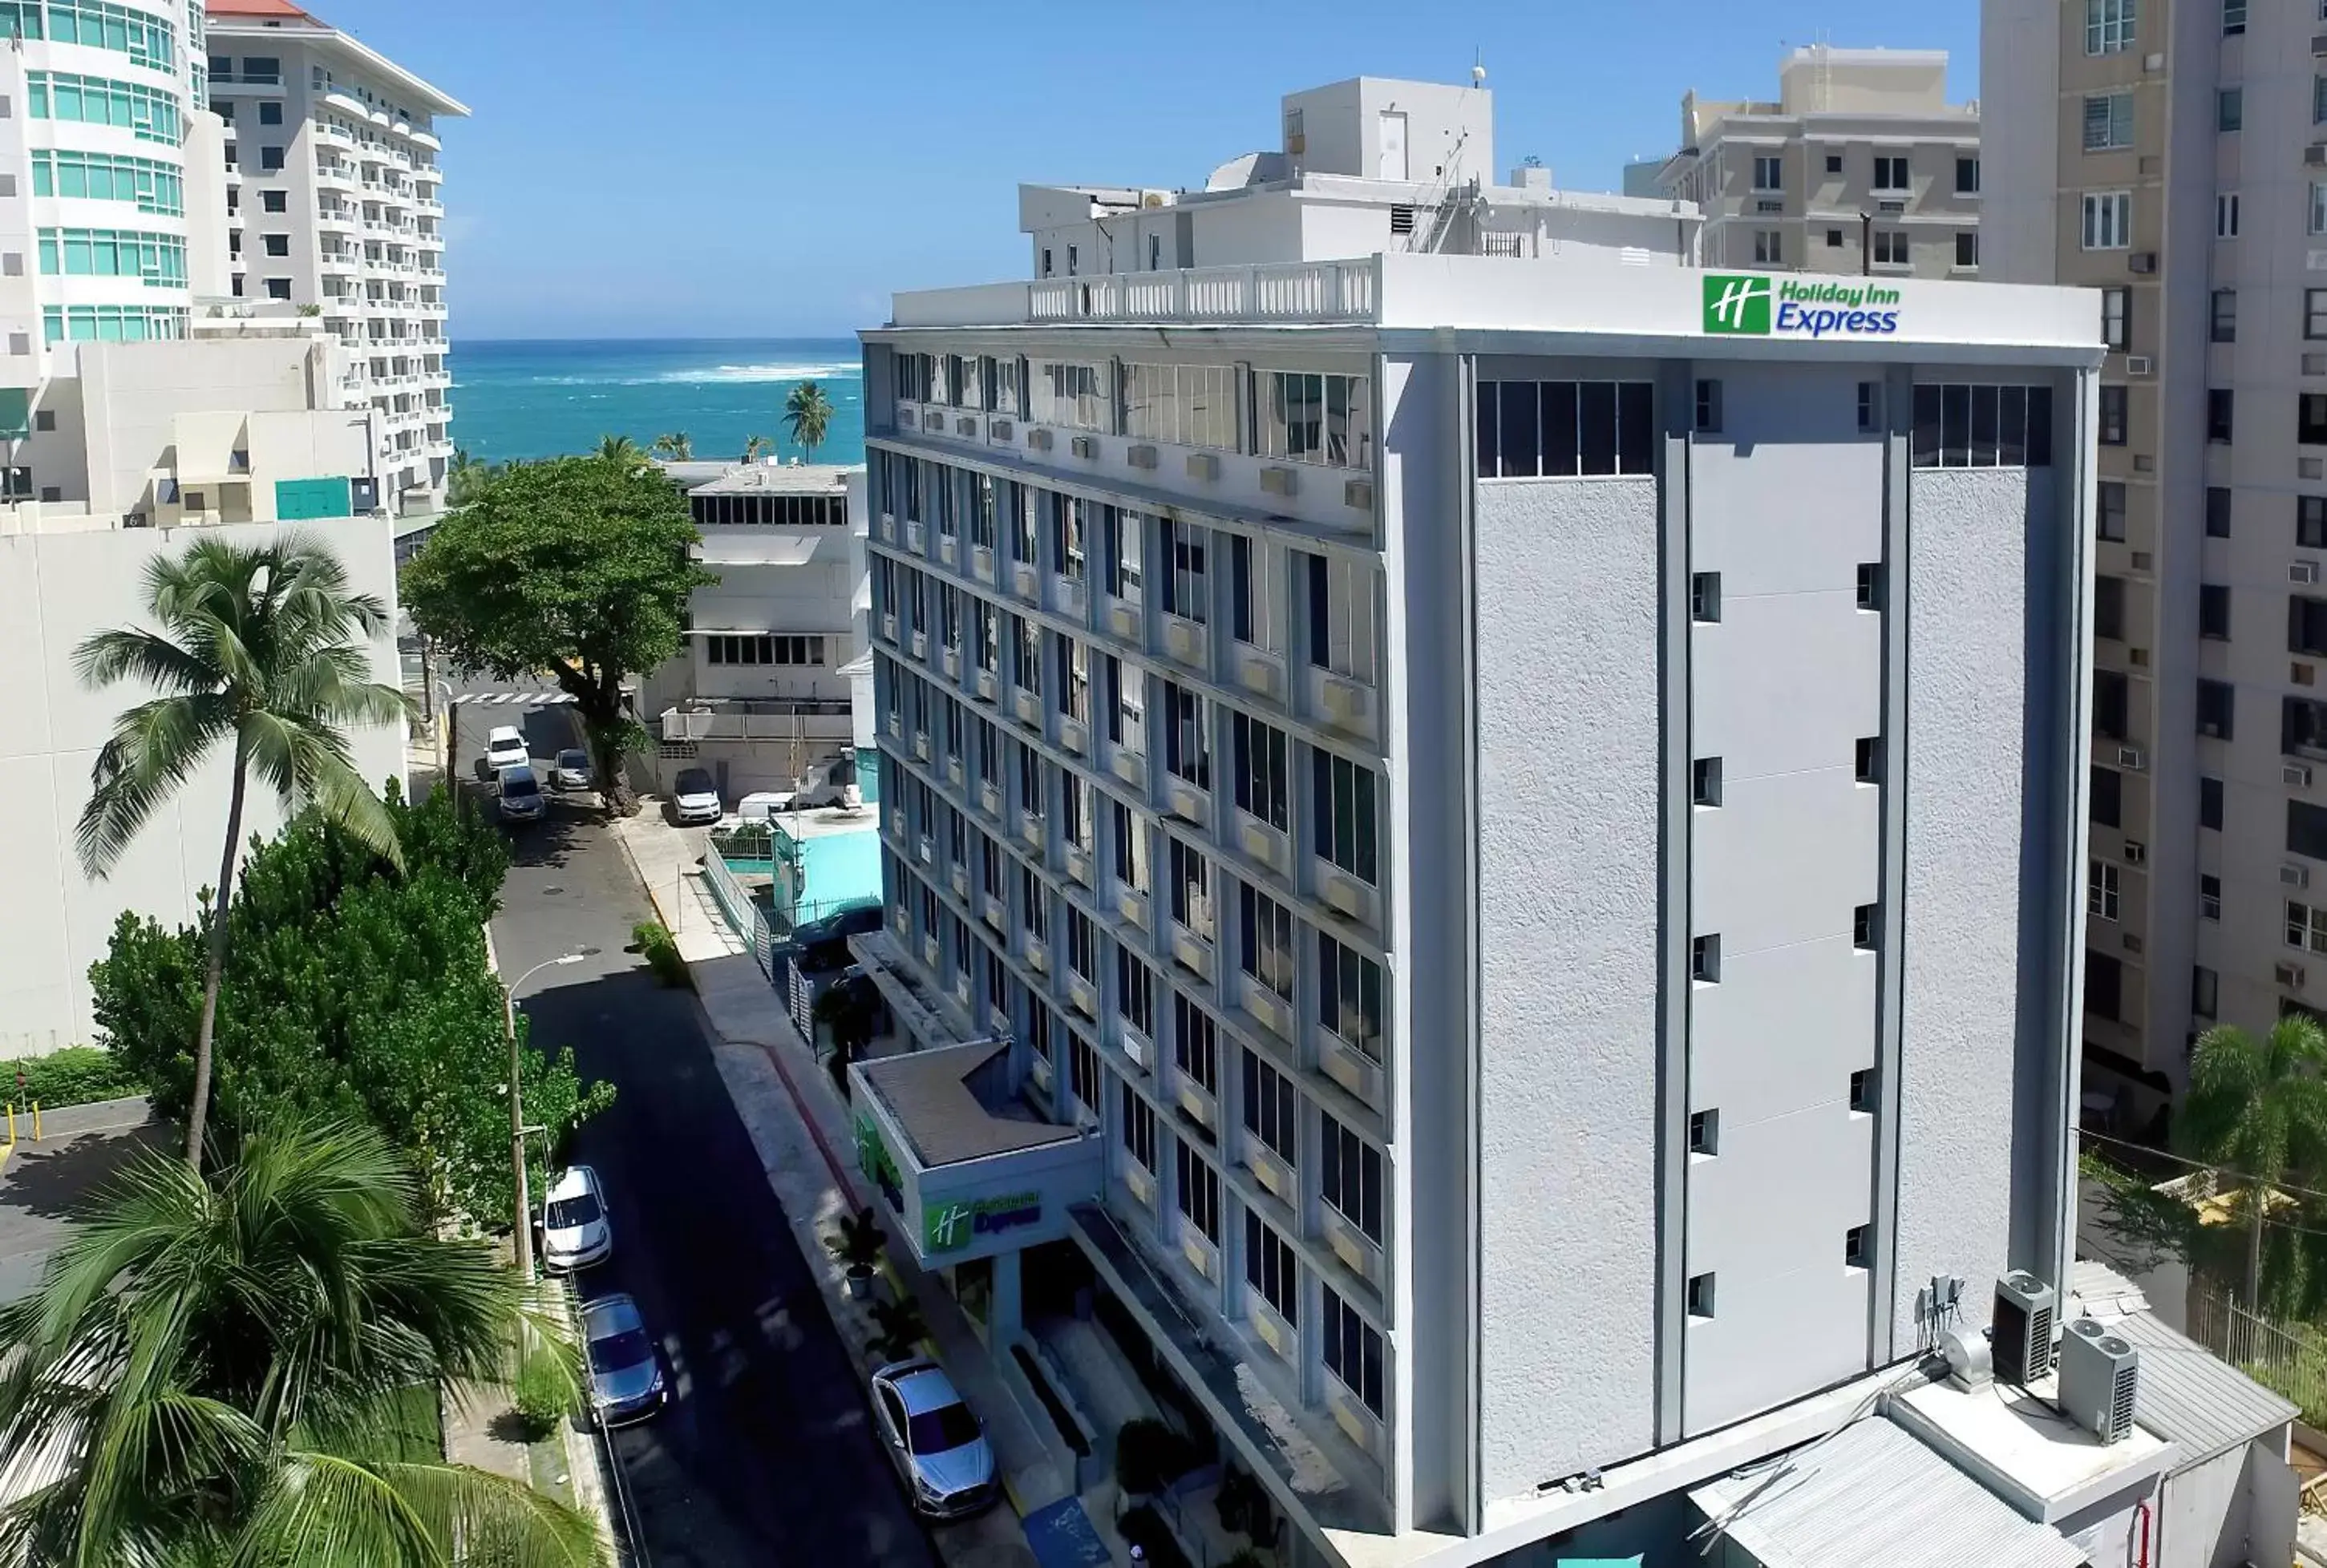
{"x": 2021, "y": 1341}
{"x": 2099, "y": 1372}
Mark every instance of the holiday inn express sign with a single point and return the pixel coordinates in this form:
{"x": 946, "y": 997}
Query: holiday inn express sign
{"x": 1754, "y": 304}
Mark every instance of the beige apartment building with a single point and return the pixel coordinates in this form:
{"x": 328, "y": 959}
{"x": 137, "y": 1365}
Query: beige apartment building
{"x": 2174, "y": 156}
{"x": 1861, "y": 166}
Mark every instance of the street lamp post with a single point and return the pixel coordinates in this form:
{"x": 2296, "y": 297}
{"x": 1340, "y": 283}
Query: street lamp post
{"x": 517, "y": 1105}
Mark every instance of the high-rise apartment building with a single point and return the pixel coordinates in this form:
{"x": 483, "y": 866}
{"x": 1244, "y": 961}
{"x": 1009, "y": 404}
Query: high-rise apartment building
{"x": 336, "y": 209}
{"x": 1862, "y": 165}
{"x": 1503, "y": 839}
{"x": 2174, "y": 157}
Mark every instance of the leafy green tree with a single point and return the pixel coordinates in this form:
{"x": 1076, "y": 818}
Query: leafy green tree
{"x": 574, "y": 567}
{"x": 464, "y": 476}
{"x": 755, "y": 447}
{"x": 623, "y": 452}
{"x": 355, "y": 993}
{"x": 219, "y": 1369}
{"x": 808, "y": 413}
{"x": 262, "y": 648}
{"x": 676, "y": 447}
{"x": 2259, "y": 1107}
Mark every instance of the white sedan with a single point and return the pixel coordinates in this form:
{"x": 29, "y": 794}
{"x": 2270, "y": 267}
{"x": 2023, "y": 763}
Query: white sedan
{"x": 505, "y": 747}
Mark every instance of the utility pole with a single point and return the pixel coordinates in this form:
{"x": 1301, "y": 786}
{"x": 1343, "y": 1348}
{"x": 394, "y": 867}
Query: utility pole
{"x": 516, "y": 1107}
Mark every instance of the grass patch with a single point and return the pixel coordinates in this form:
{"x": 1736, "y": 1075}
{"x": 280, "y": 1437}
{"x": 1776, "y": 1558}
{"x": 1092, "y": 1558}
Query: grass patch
{"x": 660, "y": 949}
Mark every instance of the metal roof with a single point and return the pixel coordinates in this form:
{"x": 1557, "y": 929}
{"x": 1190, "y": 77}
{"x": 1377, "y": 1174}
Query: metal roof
{"x": 929, "y": 1095}
{"x": 1873, "y": 1493}
{"x": 2186, "y": 1393}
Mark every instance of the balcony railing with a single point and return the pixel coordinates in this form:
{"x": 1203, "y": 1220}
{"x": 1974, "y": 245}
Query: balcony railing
{"x": 1308, "y": 291}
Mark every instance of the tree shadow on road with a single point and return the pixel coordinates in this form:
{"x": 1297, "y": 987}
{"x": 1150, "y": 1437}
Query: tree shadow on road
{"x": 59, "y": 1181}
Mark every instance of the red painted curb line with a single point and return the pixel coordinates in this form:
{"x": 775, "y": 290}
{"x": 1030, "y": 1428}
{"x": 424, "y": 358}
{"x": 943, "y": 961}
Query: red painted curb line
{"x": 807, "y": 1119}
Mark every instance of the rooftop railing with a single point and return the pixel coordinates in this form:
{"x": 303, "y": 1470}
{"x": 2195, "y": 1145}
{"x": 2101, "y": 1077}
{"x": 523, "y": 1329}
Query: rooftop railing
{"x": 1302, "y": 292}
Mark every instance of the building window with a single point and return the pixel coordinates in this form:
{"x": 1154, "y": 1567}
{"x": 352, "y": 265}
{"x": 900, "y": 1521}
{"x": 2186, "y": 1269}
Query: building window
{"x": 2110, "y": 495}
{"x": 1834, "y": 239}
{"x": 1891, "y": 248}
{"x": 2226, "y": 215}
{"x": 2231, "y": 108}
{"x": 1768, "y": 248}
{"x": 1967, "y": 177}
{"x": 1258, "y": 751}
{"x": 1082, "y": 944}
{"x": 2319, "y": 206}
{"x": 2210, "y": 897}
{"x": 1083, "y": 1070}
{"x": 2113, "y": 416}
{"x": 2108, "y": 220}
{"x": 2116, "y": 316}
{"x": 2110, "y": 701}
{"x": 1704, "y": 781}
{"x": 1349, "y": 996}
{"x": 1317, "y": 418}
{"x": 1704, "y": 958}
{"x": 278, "y": 288}
{"x": 1767, "y": 170}
{"x": 2311, "y": 522}
{"x": 1870, "y": 408}
{"x": 2234, "y": 17}
{"x": 1345, "y": 821}
{"x": 1265, "y": 952}
{"x": 2306, "y": 626}
{"x": 1705, "y": 1133}
{"x": 1855, "y": 1247}
{"x": 1138, "y": 1129}
{"x": 2307, "y": 829}
{"x": 1708, "y": 407}
{"x": 1700, "y": 1296}
{"x": 2214, "y": 611}
{"x": 2311, "y": 419}
{"x": 2307, "y": 928}
{"x": 1068, "y": 393}
{"x": 2222, "y": 324}
{"x": 1959, "y": 426}
{"x": 1705, "y": 596}
{"x": 1253, "y": 597}
{"x": 2104, "y": 984}
{"x": 270, "y": 160}
{"x": 1865, "y": 927}
{"x": 1352, "y": 1182}
{"x": 726, "y": 649}
{"x": 1134, "y": 993}
{"x": 1271, "y": 1107}
{"x": 1834, "y": 162}
{"x": 1187, "y": 405}
{"x": 2110, "y": 25}
{"x": 1967, "y": 248}
{"x": 275, "y": 200}
{"x": 2319, "y": 97}
{"x": 2209, "y": 804}
{"x": 2109, "y": 120}
{"x": 2108, "y": 795}
{"x": 1270, "y": 1269}
{"x": 1861, "y": 1091}
{"x": 2100, "y": 889}
{"x": 1890, "y": 173}
{"x": 151, "y": 114}
{"x": 1195, "y": 1045}
{"x": 1352, "y": 1349}
{"x": 2205, "y": 991}
{"x": 1870, "y": 585}
{"x": 1199, "y": 1190}
{"x": 1867, "y": 759}
{"x": 1343, "y": 634}
{"x": 2217, "y": 512}
{"x": 1187, "y": 590}
{"x": 1561, "y": 429}
{"x": 2220, "y": 409}
{"x": 2215, "y": 709}
{"x": 2108, "y": 608}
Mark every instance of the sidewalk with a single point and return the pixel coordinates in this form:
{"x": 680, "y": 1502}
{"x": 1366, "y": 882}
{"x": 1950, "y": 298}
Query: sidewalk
{"x": 801, "y": 1129}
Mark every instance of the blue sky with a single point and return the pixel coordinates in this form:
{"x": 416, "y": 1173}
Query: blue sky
{"x": 766, "y": 168}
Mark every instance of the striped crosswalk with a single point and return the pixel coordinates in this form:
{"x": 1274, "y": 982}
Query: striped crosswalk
{"x": 515, "y": 699}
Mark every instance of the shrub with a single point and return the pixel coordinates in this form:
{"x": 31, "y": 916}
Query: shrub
{"x": 1148, "y": 1455}
{"x": 660, "y": 949}
{"x": 542, "y": 1393}
{"x": 78, "y": 1074}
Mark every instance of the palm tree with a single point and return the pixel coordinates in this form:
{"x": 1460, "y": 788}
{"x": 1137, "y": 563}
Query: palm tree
{"x": 808, "y": 412}
{"x": 754, "y": 447}
{"x": 465, "y": 476}
{"x": 263, "y": 646}
{"x": 625, "y": 453}
{"x": 2259, "y": 1107}
{"x": 678, "y": 446}
{"x": 227, "y": 1370}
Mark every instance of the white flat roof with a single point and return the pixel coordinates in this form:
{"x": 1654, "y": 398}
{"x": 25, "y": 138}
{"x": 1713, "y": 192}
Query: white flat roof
{"x": 2017, "y": 1442}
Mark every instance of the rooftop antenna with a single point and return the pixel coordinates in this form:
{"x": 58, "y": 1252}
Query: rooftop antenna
{"x": 1478, "y": 68}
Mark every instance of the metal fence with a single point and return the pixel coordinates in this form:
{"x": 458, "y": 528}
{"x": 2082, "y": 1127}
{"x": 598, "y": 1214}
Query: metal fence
{"x": 743, "y": 911}
{"x": 2292, "y": 1361}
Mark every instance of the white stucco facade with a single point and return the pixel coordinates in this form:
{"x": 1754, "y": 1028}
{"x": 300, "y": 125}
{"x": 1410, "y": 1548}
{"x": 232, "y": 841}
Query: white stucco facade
{"x": 1543, "y": 833}
{"x": 56, "y": 588}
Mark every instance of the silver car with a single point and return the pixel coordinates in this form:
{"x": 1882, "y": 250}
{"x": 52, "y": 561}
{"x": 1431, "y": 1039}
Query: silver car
{"x": 936, "y": 1443}
{"x": 626, "y": 1379}
{"x": 573, "y": 770}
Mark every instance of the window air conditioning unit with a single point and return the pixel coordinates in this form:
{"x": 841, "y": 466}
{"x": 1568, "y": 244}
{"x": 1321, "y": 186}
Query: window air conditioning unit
{"x": 2136, "y": 852}
{"x": 2139, "y": 364}
{"x": 1890, "y": 206}
{"x": 2021, "y": 1334}
{"x": 2289, "y": 975}
{"x": 2143, "y": 261}
{"x": 2303, "y": 572}
{"x": 2297, "y": 774}
{"x": 2129, "y": 757}
{"x": 2099, "y": 1372}
{"x": 2318, "y": 45}
{"x": 2132, "y": 943}
{"x": 2315, "y": 156}
{"x": 2293, "y": 876}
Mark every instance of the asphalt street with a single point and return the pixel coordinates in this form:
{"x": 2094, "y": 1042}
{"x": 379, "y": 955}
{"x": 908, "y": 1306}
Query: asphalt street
{"x": 766, "y": 1453}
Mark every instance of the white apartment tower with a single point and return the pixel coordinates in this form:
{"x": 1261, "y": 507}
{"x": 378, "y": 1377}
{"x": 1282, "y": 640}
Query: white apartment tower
{"x": 335, "y": 203}
{"x": 1505, "y": 829}
{"x": 1862, "y": 165}
{"x": 2171, "y": 157}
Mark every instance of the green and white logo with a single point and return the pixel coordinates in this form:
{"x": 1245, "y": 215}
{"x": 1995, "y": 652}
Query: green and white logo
{"x": 1737, "y": 302}
{"x": 947, "y": 1225}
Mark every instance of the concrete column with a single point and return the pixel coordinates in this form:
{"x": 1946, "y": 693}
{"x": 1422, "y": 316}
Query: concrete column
{"x": 1003, "y": 1311}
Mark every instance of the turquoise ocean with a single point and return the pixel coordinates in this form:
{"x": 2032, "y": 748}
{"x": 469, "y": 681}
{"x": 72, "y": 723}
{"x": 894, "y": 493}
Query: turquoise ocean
{"x": 514, "y": 399}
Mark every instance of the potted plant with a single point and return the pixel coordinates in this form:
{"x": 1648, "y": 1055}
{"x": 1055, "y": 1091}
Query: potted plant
{"x": 1148, "y": 1455}
{"x": 857, "y": 1245}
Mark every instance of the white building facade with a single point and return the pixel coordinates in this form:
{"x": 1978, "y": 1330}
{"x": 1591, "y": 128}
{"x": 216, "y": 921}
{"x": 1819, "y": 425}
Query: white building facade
{"x": 335, "y": 203}
{"x": 1532, "y": 815}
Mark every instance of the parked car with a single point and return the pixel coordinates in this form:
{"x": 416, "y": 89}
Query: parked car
{"x": 573, "y": 770}
{"x": 506, "y": 748}
{"x": 694, "y": 797}
{"x": 575, "y": 1229}
{"x": 521, "y": 797}
{"x": 626, "y": 1378}
{"x": 936, "y": 1443}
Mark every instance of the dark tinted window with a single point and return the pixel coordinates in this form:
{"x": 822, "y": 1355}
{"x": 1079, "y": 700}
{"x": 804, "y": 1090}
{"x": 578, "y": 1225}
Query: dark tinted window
{"x": 2103, "y": 983}
{"x": 2209, "y": 804}
{"x": 2302, "y": 727}
{"x": 2108, "y": 791}
{"x": 2217, "y": 512}
{"x": 2307, "y": 829}
{"x": 2110, "y": 703}
{"x": 2108, "y": 608}
{"x": 2306, "y": 625}
{"x": 2217, "y": 704}
{"x": 2213, "y": 609}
